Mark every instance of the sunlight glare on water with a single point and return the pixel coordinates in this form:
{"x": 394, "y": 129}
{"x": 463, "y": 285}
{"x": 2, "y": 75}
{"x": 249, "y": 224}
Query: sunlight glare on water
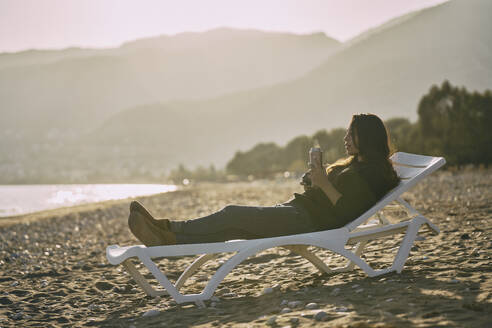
{"x": 21, "y": 199}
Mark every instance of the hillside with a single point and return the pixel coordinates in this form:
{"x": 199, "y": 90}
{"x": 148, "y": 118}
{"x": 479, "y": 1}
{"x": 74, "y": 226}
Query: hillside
{"x": 73, "y": 90}
{"x": 36, "y": 57}
{"x": 386, "y": 72}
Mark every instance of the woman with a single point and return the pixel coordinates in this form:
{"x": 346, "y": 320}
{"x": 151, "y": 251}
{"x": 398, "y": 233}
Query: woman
{"x": 336, "y": 196}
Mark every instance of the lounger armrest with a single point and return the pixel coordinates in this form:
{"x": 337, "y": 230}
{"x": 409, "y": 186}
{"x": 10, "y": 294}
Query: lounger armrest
{"x": 116, "y": 254}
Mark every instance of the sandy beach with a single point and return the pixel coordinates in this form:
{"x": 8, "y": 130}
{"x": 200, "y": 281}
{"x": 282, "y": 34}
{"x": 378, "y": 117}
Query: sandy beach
{"x": 54, "y": 273}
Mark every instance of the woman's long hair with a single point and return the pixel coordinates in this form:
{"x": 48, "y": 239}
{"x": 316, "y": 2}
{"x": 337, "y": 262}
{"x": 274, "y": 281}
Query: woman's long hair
{"x": 372, "y": 140}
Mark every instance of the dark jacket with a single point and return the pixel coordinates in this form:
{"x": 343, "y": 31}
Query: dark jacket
{"x": 361, "y": 185}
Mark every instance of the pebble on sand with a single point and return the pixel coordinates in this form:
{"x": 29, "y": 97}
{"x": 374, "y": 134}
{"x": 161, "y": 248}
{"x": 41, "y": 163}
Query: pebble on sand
{"x": 341, "y": 309}
{"x": 151, "y": 313}
{"x": 93, "y": 307}
{"x": 104, "y": 285}
{"x": 294, "y": 304}
{"x": 285, "y": 310}
{"x": 5, "y": 300}
{"x": 294, "y": 320}
{"x": 311, "y": 306}
{"x": 17, "y": 316}
{"x": 321, "y": 316}
{"x": 272, "y": 320}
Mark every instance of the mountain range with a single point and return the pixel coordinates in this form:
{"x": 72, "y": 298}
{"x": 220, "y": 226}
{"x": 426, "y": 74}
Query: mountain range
{"x": 384, "y": 71}
{"x": 76, "y": 89}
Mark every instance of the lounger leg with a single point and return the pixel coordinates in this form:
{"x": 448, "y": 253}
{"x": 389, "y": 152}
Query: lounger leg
{"x": 321, "y": 266}
{"x": 432, "y": 227}
{"x": 358, "y": 252}
{"x": 164, "y": 281}
{"x": 408, "y": 208}
{"x": 316, "y": 261}
{"x": 408, "y": 240}
{"x": 404, "y": 249}
{"x": 361, "y": 264}
{"x": 193, "y": 268}
{"x": 141, "y": 281}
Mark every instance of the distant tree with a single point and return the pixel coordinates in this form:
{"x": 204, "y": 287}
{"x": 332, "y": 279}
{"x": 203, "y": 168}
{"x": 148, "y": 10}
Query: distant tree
{"x": 401, "y": 133}
{"x": 456, "y": 123}
{"x": 179, "y": 174}
{"x": 296, "y": 151}
{"x": 261, "y": 161}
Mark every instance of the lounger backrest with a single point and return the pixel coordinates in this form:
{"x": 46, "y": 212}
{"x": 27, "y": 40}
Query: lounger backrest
{"x": 411, "y": 168}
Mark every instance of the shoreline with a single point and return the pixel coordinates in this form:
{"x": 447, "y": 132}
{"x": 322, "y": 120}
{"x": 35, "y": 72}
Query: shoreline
{"x": 21, "y": 200}
{"x": 61, "y": 211}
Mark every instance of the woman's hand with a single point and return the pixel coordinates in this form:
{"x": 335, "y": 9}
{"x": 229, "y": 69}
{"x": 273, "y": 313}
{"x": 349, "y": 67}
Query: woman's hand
{"x": 318, "y": 175}
{"x": 319, "y": 179}
{"x": 306, "y": 181}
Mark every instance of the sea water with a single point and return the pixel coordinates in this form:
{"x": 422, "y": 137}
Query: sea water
{"x": 22, "y": 199}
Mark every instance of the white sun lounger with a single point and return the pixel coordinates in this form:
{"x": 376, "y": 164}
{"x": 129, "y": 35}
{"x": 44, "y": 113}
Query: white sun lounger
{"x": 410, "y": 167}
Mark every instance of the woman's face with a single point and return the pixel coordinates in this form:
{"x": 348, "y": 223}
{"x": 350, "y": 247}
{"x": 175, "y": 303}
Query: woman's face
{"x": 351, "y": 141}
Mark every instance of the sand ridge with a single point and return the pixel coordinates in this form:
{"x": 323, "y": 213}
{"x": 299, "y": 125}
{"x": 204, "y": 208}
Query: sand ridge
{"x": 53, "y": 270}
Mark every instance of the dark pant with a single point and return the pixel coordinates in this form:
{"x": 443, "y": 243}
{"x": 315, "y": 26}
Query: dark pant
{"x": 244, "y": 222}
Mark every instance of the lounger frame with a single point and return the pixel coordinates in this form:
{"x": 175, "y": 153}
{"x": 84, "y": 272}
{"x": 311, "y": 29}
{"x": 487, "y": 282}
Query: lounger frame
{"x": 411, "y": 169}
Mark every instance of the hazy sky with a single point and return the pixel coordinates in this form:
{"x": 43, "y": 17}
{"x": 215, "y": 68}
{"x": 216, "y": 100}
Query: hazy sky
{"x": 26, "y": 24}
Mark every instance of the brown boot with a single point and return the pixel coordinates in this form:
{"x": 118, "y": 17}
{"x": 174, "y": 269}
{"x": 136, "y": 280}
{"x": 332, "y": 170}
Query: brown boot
{"x": 149, "y": 233}
{"x": 162, "y": 223}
